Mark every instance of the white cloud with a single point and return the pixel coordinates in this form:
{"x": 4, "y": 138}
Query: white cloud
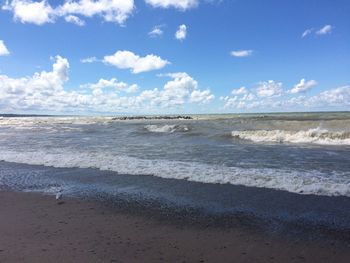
{"x": 338, "y": 98}
{"x": 111, "y": 10}
{"x": 177, "y": 91}
{"x": 241, "y": 90}
{"x": 75, "y": 20}
{"x": 303, "y": 86}
{"x": 112, "y": 83}
{"x": 267, "y": 97}
{"x": 296, "y": 101}
{"x": 204, "y": 96}
{"x": 307, "y": 32}
{"x": 156, "y": 31}
{"x": 181, "y": 33}
{"x": 28, "y": 11}
{"x": 178, "y": 4}
{"x": 128, "y": 60}
{"x": 249, "y": 97}
{"x": 327, "y": 29}
{"x": 88, "y": 60}
{"x": 241, "y": 53}
{"x": 28, "y": 91}
{"x": 264, "y": 95}
{"x": 269, "y": 89}
{"x": 248, "y": 100}
{"x": 39, "y": 13}
{"x": 334, "y": 97}
{"x": 3, "y": 49}
{"x": 44, "y": 92}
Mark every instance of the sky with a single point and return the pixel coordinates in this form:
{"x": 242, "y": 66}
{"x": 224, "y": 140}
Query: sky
{"x": 174, "y": 56}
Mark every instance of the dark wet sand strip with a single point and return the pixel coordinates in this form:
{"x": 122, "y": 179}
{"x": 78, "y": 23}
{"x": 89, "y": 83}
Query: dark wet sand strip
{"x": 34, "y": 228}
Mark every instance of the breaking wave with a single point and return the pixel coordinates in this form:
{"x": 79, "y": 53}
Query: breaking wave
{"x": 166, "y": 128}
{"x": 303, "y": 182}
{"x": 314, "y": 136}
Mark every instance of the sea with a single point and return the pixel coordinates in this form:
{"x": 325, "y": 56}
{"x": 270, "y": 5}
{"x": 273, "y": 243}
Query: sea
{"x": 206, "y": 159}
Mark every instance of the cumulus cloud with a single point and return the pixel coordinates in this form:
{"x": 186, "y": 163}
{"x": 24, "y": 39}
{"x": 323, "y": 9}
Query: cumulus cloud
{"x": 41, "y": 12}
{"x": 268, "y": 97}
{"x": 303, "y": 86}
{"x": 269, "y": 89}
{"x": 248, "y": 100}
{"x": 3, "y": 49}
{"x": 156, "y": 31}
{"x": 28, "y": 91}
{"x": 264, "y": 94}
{"x": 45, "y": 92}
{"x": 28, "y": 11}
{"x": 334, "y": 97}
{"x": 128, "y": 60}
{"x": 181, "y": 33}
{"x": 75, "y": 20}
{"x": 337, "y": 98}
{"x": 241, "y": 53}
{"x": 178, "y": 4}
{"x": 112, "y": 83}
{"x": 241, "y": 90}
{"x": 110, "y": 10}
{"x": 204, "y": 96}
{"x": 177, "y": 91}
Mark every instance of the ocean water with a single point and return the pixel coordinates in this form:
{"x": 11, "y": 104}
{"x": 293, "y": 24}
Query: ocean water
{"x": 304, "y": 153}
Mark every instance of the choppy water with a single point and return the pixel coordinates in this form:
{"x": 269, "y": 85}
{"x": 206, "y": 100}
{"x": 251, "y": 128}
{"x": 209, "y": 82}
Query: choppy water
{"x": 298, "y": 152}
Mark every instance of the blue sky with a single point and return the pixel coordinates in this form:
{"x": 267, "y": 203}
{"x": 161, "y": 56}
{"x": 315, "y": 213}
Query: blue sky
{"x": 228, "y": 56}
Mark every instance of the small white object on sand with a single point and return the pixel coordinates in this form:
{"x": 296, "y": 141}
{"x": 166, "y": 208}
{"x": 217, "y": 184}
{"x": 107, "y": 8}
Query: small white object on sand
{"x": 59, "y": 195}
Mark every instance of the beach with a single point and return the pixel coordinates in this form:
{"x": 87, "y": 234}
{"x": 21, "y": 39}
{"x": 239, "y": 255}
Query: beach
{"x": 174, "y": 131}
{"x": 35, "y": 228}
{"x": 219, "y": 188}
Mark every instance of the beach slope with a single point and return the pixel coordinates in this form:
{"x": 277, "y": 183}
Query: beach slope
{"x": 35, "y": 228}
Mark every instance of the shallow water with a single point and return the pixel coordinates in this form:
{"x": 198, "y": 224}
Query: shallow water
{"x": 306, "y": 153}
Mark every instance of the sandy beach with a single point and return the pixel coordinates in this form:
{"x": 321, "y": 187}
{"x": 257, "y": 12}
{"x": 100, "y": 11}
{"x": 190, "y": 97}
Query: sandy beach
{"x": 174, "y": 131}
{"x": 34, "y": 228}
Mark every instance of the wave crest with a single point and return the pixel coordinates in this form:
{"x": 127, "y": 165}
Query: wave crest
{"x": 304, "y": 182}
{"x": 314, "y": 136}
{"x": 166, "y": 128}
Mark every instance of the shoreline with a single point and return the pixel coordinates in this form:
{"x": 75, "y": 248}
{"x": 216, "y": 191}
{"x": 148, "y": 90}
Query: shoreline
{"x": 181, "y": 202}
{"x": 34, "y": 228}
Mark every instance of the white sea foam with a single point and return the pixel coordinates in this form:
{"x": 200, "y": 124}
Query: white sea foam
{"x": 166, "y": 128}
{"x": 35, "y": 121}
{"x": 306, "y": 182}
{"x": 314, "y": 136}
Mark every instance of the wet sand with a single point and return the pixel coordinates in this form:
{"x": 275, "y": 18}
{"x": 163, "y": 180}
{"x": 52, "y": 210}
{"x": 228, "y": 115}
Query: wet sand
{"x": 34, "y": 228}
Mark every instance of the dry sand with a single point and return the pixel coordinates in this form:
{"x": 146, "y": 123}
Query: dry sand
{"x": 34, "y": 228}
